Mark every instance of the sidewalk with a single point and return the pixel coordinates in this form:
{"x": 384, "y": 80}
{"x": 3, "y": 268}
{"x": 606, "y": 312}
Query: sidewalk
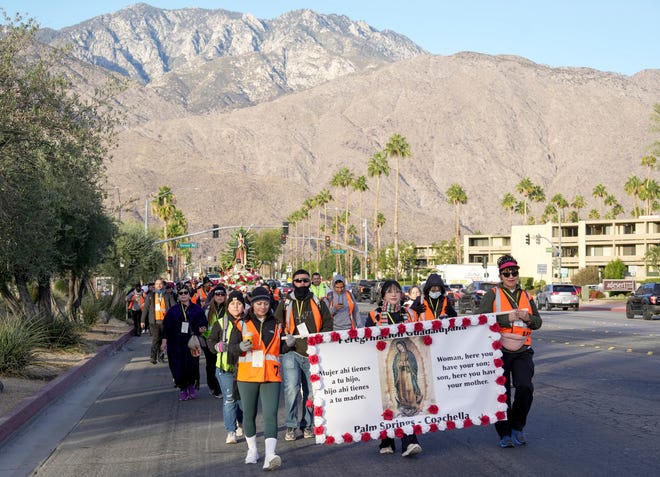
{"x": 604, "y": 305}
{"x": 30, "y": 407}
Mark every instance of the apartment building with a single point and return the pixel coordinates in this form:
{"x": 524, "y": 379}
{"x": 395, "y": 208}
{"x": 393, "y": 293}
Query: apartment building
{"x": 556, "y": 251}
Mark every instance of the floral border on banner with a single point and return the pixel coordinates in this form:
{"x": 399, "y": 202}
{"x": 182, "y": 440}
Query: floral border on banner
{"x": 378, "y": 333}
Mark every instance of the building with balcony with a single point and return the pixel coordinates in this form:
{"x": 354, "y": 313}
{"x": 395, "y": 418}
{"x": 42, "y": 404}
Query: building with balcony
{"x": 556, "y": 251}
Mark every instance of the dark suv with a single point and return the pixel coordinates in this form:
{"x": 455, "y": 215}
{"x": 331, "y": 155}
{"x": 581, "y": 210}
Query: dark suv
{"x": 645, "y": 301}
{"x": 364, "y": 290}
{"x": 468, "y": 303}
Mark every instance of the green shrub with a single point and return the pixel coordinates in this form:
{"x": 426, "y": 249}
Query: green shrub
{"x": 63, "y": 333}
{"x": 19, "y": 337}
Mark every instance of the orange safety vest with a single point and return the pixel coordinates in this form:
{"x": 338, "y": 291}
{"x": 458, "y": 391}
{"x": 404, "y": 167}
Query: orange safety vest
{"x": 351, "y": 307}
{"x": 132, "y": 300}
{"x": 200, "y": 294}
{"x": 159, "y": 315}
{"x": 428, "y": 313}
{"x": 378, "y": 317}
{"x": 291, "y": 322}
{"x": 270, "y": 371}
{"x": 502, "y": 304}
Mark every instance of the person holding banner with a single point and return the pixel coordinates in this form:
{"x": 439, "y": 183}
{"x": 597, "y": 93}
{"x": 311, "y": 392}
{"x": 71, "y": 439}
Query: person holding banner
{"x": 256, "y": 340}
{"x": 517, "y": 316}
{"x": 433, "y": 304}
{"x": 301, "y": 314}
{"x": 404, "y": 367}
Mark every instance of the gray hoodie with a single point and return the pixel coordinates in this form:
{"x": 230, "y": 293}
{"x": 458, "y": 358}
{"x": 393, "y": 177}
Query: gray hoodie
{"x": 339, "y": 305}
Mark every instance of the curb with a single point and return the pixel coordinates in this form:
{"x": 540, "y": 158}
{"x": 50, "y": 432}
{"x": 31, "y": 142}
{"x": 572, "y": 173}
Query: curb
{"x": 29, "y": 407}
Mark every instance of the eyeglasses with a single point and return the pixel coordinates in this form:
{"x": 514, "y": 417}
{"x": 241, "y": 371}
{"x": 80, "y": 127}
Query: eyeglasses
{"x": 220, "y": 293}
{"x": 512, "y": 273}
{"x": 184, "y": 292}
{"x": 301, "y": 280}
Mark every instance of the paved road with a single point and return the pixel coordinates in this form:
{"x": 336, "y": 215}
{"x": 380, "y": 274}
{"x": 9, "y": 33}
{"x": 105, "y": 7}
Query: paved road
{"x": 595, "y": 413}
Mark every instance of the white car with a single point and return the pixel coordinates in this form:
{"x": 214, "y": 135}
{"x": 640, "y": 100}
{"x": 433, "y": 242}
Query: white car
{"x": 558, "y": 295}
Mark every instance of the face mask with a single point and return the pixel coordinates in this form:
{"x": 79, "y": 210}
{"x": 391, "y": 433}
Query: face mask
{"x": 300, "y": 292}
{"x": 435, "y": 295}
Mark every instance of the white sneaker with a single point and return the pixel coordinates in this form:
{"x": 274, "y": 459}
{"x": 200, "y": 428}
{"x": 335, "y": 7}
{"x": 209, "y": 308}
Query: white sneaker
{"x": 252, "y": 456}
{"x": 239, "y": 432}
{"x": 412, "y": 449}
{"x": 231, "y": 438}
{"x": 272, "y": 462}
{"x": 386, "y": 450}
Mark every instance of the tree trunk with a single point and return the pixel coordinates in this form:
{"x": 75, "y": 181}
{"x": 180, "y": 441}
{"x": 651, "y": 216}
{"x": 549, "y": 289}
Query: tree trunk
{"x": 45, "y": 298}
{"x": 11, "y": 301}
{"x": 25, "y": 300}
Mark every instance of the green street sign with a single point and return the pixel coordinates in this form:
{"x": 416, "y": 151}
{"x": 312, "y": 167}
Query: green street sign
{"x": 338, "y": 251}
{"x": 548, "y": 249}
{"x": 187, "y": 245}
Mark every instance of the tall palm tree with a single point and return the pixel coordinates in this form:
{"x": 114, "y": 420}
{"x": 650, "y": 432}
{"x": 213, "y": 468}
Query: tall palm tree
{"x": 457, "y": 196}
{"x": 525, "y": 187}
{"x": 578, "y": 204}
{"x": 360, "y": 185}
{"x": 537, "y": 194}
{"x": 323, "y": 198}
{"x": 650, "y": 193}
{"x": 380, "y": 223}
{"x": 509, "y": 204}
{"x": 344, "y": 178}
{"x": 599, "y": 192}
{"x": 398, "y": 147}
{"x": 633, "y": 187}
{"x": 163, "y": 207}
{"x": 649, "y": 162}
{"x": 377, "y": 166}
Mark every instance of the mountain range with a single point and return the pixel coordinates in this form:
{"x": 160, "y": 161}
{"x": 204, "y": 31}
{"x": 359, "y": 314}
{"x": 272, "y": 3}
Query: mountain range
{"x": 245, "y": 118}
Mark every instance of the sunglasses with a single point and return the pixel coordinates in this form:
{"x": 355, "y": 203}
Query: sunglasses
{"x": 301, "y": 280}
{"x": 184, "y": 292}
{"x": 220, "y": 293}
{"x": 513, "y": 273}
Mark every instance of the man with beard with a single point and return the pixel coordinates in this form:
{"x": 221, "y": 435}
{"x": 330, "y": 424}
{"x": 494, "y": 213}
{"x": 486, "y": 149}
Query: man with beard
{"x": 433, "y": 303}
{"x": 301, "y": 314}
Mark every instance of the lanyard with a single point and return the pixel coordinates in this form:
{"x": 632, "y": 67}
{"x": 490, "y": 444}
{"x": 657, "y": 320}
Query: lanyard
{"x": 185, "y": 317}
{"x": 512, "y": 299}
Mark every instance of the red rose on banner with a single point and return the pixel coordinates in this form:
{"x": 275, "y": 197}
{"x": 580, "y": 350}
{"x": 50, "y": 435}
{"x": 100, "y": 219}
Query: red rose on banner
{"x": 436, "y": 325}
{"x": 483, "y": 319}
{"x": 352, "y": 333}
{"x": 451, "y": 425}
{"x": 367, "y": 333}
{"x": 313, "y": 359}
{"x": 428, "y": 340}
{"x": 417, "y": 429}
{"x": 419, "y": 326}
{"x": 498, "y": 362}
{"x": 318, "y": 411}
{"x": 309, "y": 404}
{"x": 485, "y": 420}
{"x": 496, "y": 344}
{"x": 311, "y": 341}
{"x": 466, "y": 322}
{"x": 401, "y": 328}
{"x": 319, "y": 430}
{"x": 433, "y": 409}
{"x": 388, "y": 415}
{"x": 319, "y": 339}
{"x": 495, "y": 327}
{"x": 501, "y": 380}
{"x": 467, "y": 423}
{"x": 329, "y": 440}
{"x": 500, "y": 415}
{"x": 384, "y": 332}
{"x": 452, "y": 322}
{"x": 334, "y": 336}
{"x": 501, "y": 398}
{"x": 433, "y": 427}
{"x": 398, "y": 432}
{"x": 380, "y": 345}
{"x": 366, "y": 437}
{"x": 383, "y": 435}
{"x": 315, "y": 378}
{"x": 348, "y": 438}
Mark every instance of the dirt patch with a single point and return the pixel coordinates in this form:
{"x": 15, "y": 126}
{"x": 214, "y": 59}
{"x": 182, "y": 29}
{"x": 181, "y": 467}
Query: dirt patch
{"x": 51, "y": 364}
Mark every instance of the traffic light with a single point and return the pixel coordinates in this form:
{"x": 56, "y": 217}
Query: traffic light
{"x": 327, "y": 240}
{"x": 527, "y": 239}
{"x": 216, "y": 232}
{"x": 285, "y": 228}
{"x": 283, "y": 238}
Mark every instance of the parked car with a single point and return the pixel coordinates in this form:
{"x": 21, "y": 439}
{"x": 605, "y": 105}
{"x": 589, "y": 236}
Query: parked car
{"x": 364, "y": 290}
{"x": 644, "y": 301}
{"x": 469, "y": 301}
{"x": 560, "y": 295}
{"x": 455, "y": 291}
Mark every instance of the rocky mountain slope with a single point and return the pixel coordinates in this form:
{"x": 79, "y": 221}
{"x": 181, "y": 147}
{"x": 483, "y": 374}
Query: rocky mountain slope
{"x": 247, "y": 118}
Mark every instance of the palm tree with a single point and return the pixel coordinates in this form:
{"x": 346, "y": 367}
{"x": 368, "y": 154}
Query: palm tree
{"x": 509, "y": 204}
{"x": 398, "y": 147}
{"x": 578, "y": 204}
{"x": 633, "y": 187}
{"x": 344, "y": 178}
{"x": 599, "y": 192}
{"x": 457, "y": 196}
{"x": 377, "y": 166}
{"x": 380, "y": 222}
{"x": 323, "y": 198}
{"x": 649, "y": 162}
{"x": 650, "y": 193}
{"x": 163, "y": 207}
{"x": 536, "y": 194}
{"x": 525, "y": 187}
{"x": 360, "y": 185}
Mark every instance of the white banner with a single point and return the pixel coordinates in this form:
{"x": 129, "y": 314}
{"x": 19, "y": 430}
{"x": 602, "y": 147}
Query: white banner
{"x": 410, "y": 378}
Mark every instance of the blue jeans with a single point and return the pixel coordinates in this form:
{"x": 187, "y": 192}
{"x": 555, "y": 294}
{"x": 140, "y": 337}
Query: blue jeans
{"x": 232, "y": 410}
{"x": 295, "y": 369}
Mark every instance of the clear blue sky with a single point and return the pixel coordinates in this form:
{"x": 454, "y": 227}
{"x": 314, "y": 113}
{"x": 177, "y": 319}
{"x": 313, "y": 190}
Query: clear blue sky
{"x": 609, "y": 35}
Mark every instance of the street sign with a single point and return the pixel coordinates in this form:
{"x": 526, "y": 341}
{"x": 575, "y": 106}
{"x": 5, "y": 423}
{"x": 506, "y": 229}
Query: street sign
{"x": 541, "y": 268}
{"x": 548, "y": 249}
{"x": 187, "y": 245}
{"x": 338, "y": 251}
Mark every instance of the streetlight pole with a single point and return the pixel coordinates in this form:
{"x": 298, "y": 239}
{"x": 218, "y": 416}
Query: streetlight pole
{"x": 559, "y": 252}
